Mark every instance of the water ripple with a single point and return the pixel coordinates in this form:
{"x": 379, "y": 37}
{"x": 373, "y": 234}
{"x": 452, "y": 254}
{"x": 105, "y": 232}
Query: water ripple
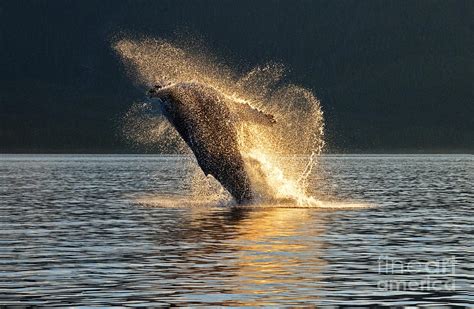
{"x": 73, "y": 233}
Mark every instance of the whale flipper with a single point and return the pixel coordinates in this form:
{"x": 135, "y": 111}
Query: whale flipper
{"x": 246, "y": 112}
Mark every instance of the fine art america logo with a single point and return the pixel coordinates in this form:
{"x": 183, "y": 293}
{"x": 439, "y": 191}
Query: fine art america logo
{"x": 403, "y": 275}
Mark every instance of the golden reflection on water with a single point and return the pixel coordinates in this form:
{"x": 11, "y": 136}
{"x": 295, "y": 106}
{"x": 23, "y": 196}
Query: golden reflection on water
{"x": 271, "y": 248}
{"x": 258, "y": 251}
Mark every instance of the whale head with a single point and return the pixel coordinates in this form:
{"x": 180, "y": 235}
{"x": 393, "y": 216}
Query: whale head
{"x": 153, "y": 91}
{"x": 162, "y": 101}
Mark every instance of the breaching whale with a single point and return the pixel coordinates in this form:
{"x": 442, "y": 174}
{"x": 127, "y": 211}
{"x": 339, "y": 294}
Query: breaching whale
{"x": 207, "y": 121}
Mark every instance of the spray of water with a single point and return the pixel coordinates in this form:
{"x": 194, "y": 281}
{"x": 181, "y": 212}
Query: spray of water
{"x": 279, "y": 159}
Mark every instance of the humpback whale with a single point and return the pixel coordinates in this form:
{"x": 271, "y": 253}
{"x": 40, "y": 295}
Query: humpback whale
{"x": 207, "y": 121}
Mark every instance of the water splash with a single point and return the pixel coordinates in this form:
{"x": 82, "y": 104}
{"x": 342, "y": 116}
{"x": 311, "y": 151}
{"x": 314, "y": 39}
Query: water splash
{"x": 279, "y": 159}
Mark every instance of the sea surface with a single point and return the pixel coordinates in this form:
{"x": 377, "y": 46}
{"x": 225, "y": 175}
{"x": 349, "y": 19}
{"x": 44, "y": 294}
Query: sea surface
{"x": 77, "y": 230}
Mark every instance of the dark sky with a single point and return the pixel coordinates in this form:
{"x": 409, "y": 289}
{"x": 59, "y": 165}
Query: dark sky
{"x": 391, "y": 75}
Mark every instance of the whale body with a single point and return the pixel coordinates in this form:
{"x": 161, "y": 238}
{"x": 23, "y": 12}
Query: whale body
{"x": 207, "y": 122}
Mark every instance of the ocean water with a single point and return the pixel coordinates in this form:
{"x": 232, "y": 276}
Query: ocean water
{"x": 123, "y": 230}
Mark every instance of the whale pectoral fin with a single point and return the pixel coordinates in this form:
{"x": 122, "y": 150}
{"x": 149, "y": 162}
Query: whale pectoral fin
{"x": 249, "y": 113}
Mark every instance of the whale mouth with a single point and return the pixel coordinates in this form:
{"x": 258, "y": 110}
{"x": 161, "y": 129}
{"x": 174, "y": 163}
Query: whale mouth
{"x": 152, "y": 92}
{"x": 156, "y": 106}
